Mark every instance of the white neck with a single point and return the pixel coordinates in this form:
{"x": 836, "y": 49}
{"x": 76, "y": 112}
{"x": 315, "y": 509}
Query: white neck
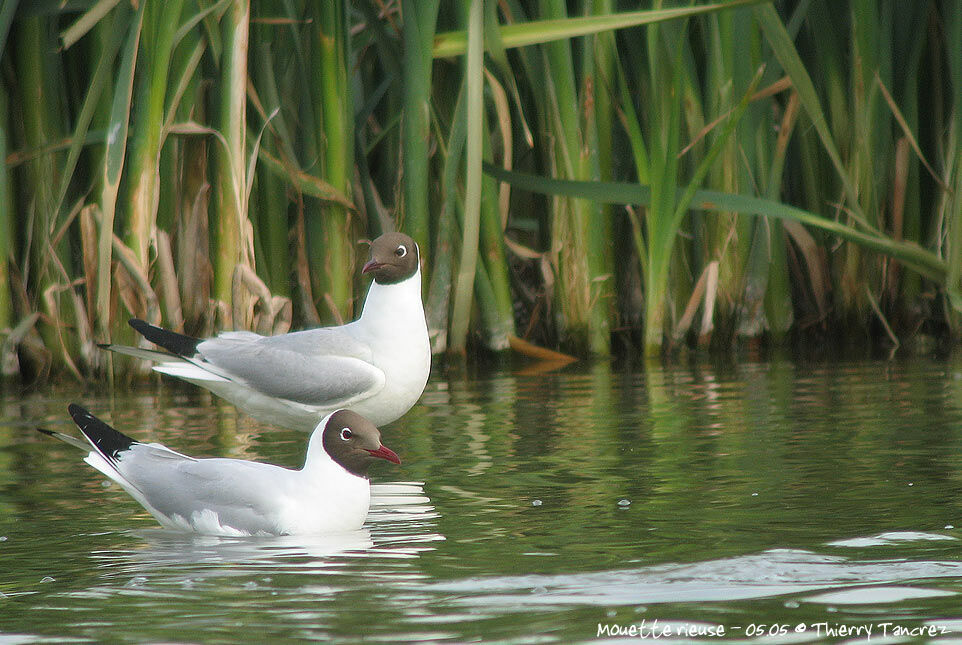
{"x": 392, "y": 303}
{"x": 329, "y": 498}
{"x": 320, "y": 464}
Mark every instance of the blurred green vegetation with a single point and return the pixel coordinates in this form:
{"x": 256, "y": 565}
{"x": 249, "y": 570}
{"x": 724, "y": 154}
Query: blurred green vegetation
{"x": 678, "y": 176}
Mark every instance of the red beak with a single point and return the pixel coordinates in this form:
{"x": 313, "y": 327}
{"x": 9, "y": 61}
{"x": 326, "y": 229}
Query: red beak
{"x": 386, "y": 453}
{"x": 371, "y": 265}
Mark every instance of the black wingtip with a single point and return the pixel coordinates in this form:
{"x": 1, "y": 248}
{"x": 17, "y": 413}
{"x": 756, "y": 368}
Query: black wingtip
{"x": 108, "y": 441}
{"x": 49, "y": 433}
{"x": 78, "y": 412}
{"x": 173, "y": 342}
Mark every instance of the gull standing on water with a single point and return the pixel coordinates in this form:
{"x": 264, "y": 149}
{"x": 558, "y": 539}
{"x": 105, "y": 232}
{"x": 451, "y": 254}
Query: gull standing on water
{"x": 233, "y": 497}
{"x": 377, "y": 365}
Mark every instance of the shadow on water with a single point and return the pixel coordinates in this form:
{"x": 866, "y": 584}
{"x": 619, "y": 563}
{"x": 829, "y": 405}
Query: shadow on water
{"x": 539, "y": 507}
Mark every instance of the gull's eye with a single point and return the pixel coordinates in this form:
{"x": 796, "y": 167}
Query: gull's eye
{"x": 401, "y": 251}
{"x": 346, "y": 434}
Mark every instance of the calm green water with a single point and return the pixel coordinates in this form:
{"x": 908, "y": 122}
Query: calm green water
{"x": 755, "y": 498}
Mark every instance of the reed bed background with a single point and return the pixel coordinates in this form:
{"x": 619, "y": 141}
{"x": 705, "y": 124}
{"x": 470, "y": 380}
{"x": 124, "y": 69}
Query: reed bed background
{"x": 585, "y": 176}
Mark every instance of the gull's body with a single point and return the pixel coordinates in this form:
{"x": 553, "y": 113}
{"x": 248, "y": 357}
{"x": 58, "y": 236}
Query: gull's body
{"x": 233, "y": 497}
{"x": 376, "y": 365}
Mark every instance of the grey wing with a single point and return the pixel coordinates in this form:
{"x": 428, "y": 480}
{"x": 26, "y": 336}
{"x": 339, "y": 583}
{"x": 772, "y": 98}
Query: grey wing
{"x": 230, "y": 492}
{"x": 323, "y": 341}
{"x": 312, "y": 367}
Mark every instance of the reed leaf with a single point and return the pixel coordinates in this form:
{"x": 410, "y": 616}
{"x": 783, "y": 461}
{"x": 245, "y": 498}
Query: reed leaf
{"x": 231, "y": 226}
{"x": 598, "y": 94}
{"x": 914, "y": 256}
{"x": 492, "y": 285}
{"x": 784, "y": 49}
{"x": 538, "y": 32}
{"x": 8, "y": 10}
{"x": 273, "y": 225}
{"x": 116, "y": 150}
{"x": 581, "y": 260}
{"x": 99, "y": 81}
{"x": 333, "y": 97}
{"x": 778, "y": 304}
{"x": 159, "y": 30}
{"x": 304, "y": 182}
{"x": 86, "y": 22}
{"x": 437, "y": 307}
{"x": 951, "y": 202}
{"x": 420, "y": 17}
{"x": 43, "y": 110}
{"x": 467, "y": 265}
{"x": 7, "y": 221}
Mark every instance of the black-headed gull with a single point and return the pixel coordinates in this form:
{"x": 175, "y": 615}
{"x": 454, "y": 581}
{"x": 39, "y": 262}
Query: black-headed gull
{"x": 233, "y": 497}
{"x": 377, "y": 365}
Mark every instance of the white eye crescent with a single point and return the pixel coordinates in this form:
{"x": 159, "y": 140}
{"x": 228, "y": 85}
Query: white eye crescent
{"x": 401, "y": 251}
{"x": 346, "y": 434}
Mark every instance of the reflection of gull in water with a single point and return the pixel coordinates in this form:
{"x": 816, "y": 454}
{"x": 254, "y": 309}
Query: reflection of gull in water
{"x": 399, "y": 524}
{"x": 400, "y": 501}
{"x": 402, "y": 519}
{"x": 163, "y": 548}
{"x": 171, "y": 561}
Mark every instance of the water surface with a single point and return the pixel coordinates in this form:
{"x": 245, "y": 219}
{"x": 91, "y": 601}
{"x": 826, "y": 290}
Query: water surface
{"x": 762, "y": 501}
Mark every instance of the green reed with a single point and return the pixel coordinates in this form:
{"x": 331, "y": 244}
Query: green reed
{"x": 683, "y": 176}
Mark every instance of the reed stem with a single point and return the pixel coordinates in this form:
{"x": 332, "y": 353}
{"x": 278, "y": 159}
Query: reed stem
{"x": 231, "y": 243}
